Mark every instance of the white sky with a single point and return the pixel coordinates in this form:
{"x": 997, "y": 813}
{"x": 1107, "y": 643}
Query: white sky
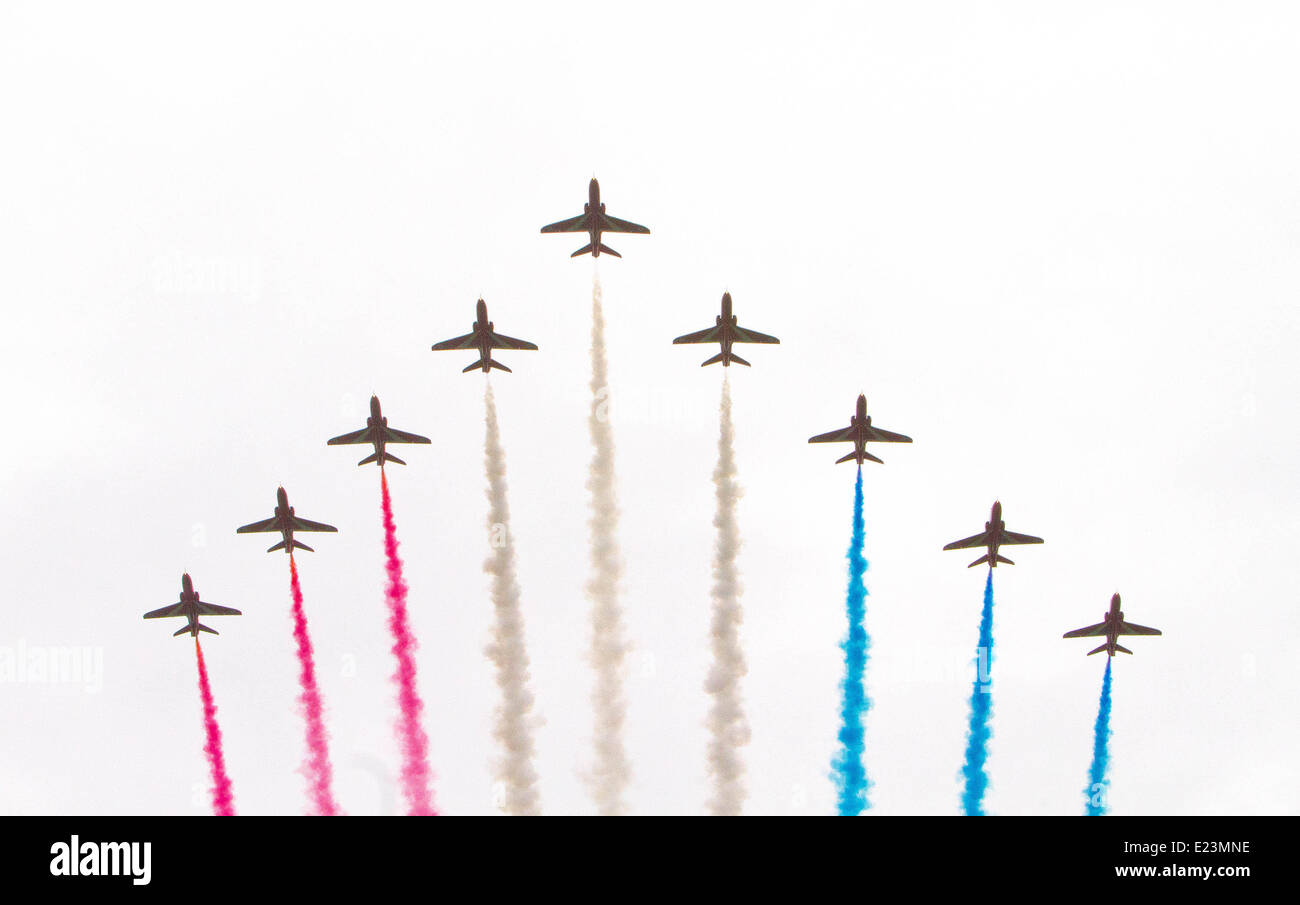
{"x": 1053, "y": 243}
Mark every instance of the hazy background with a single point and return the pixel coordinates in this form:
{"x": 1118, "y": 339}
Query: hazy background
{"x": 1054, "y": 243}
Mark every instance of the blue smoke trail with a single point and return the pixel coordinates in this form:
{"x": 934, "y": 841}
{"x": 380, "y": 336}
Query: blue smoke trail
{"x": 981, "y": 708}
{"x": 850, "y": 774}
{"x": 1098, "y": 784}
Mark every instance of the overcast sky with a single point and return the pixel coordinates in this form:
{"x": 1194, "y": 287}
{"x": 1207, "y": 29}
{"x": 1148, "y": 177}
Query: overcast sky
{"x": 1054, "y": 243}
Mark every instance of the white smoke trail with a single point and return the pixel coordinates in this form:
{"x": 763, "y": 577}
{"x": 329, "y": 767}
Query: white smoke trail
{"x": 514, "y": 726}
{"x": 611, "y": 770}
{"x": 728, "y": 730}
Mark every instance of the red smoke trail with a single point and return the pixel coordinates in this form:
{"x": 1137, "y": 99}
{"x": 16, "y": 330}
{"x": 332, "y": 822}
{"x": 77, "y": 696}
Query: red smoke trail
{"x": 416, "y": 775}
{"x": 223, "y": 796}
{"x": 317, "y": 768}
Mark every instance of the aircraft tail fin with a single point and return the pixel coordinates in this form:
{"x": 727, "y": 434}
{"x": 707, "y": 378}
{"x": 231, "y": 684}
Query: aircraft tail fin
{"x": 280, "y": 546}
{"x": 738, "y": 360}
{"x": 474, "y": 367}
{"x": 584, "y": 250}
{"x": 493, "y": 363}
{"x": 180, "y": 631}
{"x": 1122, "y": 649}
{"x": 606, "y": 250}
{"x": 714, "y": 360}
{"x": 982, "y": 559}
{"x": 285, "y": 547}
{"x": 210, "y": 631}
{"x": 373, "y": 457}
{"x": 389, "y": 457}
{"x": 1098, "y": 650}
{"x": 1003, "y": 559}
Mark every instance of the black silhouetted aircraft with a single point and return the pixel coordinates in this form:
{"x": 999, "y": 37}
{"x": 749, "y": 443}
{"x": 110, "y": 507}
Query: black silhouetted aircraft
{"x": 191, "y": 608}
{"x": 994, "y": 535}
{"x": 1111, "y": 627}
{"x": 286, "y": 523}
{"x": 726, "y": 332}
{"x": 378, "y": 433}
{"x": 484, "y": 338}
{"x": 593, "y": 221}
{"x": 859, "y": 433}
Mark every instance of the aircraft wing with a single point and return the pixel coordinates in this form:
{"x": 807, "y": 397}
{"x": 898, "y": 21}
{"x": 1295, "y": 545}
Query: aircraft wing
{"x": 1011, "y": 537}
{"x": 1091, "y": 631}
{"x": 1128, "y": 628}
{"x": 509, "y": 342}
{"x": 884, "y": 436}
{"x": 173, "y": 609}
{"x": 702, "y": 336}
{"x": 576, "y": 224}
{"x": 211, "y": 609}
{"x": 468, "y": 341}
{"x": 393, "y": 435}
{"x": 752, "y": 336}
{"x": 304, "y": 524}
{"x": 839, "y": 436}
{"x": 271, "y": 524}
{"x": 975, "y": 540}
{"x": 361, "y": 436}
{"x": 614, "y": 225}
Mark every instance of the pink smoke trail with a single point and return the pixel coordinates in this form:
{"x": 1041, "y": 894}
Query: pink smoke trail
{"x": 317, "y": 767}
{"x": 223, "y": 796}
{"x": 416, "y": 775}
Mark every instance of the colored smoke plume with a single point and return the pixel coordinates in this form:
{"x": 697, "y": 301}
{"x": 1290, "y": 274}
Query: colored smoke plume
{"x": 416, "y": 775}
{"x": 981, "y": 710}
{"x": 1098, "y": 784}
{"x": 223, "y": 795}
{"x": 849, "y": 768}
{"x": 317, "y": 767}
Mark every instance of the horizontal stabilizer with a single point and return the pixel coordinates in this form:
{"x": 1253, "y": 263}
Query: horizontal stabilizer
{"x": 1097, "y": 650}
{"x": 389, "y": 457}
{"x": 492, "y": 362}
{"x": 373, "y": 457}
{"x": 474, "y": 367}
{"x": 982, "y": 559}
{"x": 1122, "y": 649}
{"x": 1002, "y": 558}
{"x": 180, "y": 631}
{"x": 714, "y": 360}
{"x": 584, "y": 250}
{"x": 738, "y": 360}
{"x": 283, "y": 546}
{"x": 606, "y": 250}
{"x": 851, "y": 457}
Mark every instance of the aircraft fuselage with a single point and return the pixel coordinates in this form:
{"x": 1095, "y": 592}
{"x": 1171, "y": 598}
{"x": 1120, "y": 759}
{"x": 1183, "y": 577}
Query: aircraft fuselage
{"x": 861, "y": 421}
{"x": 482, "y": 329}
{"x": 591, "y": 208}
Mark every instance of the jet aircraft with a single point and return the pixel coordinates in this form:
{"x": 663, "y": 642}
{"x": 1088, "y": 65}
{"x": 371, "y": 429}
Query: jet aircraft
{"x": 994, "y": 535}
{"x": 378, "y": 433}
{"x": 191, "y": 608}
{"x": 483, "y": 337}
{"x": 859, "y": 432}
{"x": 594, "y": 221}
{"x": 286, "y": 523}
{"x": 725, "y": 332}
{"x": 1111, "y": 627}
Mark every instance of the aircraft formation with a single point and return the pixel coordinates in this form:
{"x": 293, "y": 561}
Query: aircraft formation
{"x": 484, "y": 340}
